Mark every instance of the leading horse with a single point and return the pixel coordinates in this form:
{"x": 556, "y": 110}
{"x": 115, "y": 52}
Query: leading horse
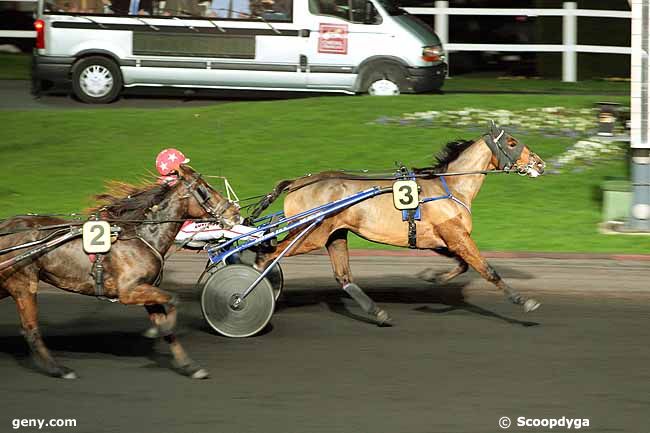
{"x": 150, "y": 217}
{"x": 445, "y": 225}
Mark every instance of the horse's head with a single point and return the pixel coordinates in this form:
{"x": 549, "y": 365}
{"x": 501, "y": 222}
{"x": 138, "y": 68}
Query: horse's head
{"x": 205, "y": 200}
{"x": 508, "y": 153}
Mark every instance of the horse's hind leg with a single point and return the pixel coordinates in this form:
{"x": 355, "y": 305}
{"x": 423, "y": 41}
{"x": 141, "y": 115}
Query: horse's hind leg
{"x": 459, "y": 242}
{"x": 161, "y": 307}
{"x": 444, "y": 277}
{"x": 28, "y": 312}
{"x": 337, "y": 247}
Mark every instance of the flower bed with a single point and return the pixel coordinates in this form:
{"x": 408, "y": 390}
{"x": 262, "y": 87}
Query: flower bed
{"x": 546, "y": 121}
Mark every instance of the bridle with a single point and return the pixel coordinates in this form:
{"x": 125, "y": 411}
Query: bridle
{"x": 202, "y": 195}
{"x": 506, "y": 157}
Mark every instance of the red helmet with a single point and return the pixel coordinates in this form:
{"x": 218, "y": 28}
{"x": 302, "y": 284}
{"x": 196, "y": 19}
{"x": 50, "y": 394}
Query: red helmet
{"x": 169, "y": 160}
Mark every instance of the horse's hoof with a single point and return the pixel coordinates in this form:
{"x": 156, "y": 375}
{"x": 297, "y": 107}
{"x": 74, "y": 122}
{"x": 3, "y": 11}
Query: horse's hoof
{"x": 383, "y": 319}
{"x": 427, "y": 275}
{"x": 64, "y": 373}
{"x": 193, "y": 371}
{"x": 531, "y": 305}
{"x": 201, "y": 373}
{"x": 152, "y": 332}
{"x": 70, "y": 375}
{"x": 54, "y": 370}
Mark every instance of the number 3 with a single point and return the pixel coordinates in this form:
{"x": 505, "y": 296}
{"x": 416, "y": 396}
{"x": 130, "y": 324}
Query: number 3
{"x": 405, "y": 194}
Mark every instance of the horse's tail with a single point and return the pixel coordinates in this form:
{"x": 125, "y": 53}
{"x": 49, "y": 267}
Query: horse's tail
{"x": 269, "y": 198}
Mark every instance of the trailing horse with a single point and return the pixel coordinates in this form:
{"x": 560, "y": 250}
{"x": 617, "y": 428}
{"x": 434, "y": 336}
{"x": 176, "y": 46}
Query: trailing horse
{"x": 445, "y": 222}
{"x": 149, "y": 218}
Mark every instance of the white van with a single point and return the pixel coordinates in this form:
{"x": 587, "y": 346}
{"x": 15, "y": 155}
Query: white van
{"x": 347, "y": 46}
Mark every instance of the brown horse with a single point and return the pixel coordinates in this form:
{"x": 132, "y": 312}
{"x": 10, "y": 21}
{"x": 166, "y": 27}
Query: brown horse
{"x": 150, "y": 217}
{"x": 445, "y": 224}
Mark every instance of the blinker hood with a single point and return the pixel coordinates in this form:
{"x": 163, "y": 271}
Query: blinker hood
{"x": 497, "y": 141}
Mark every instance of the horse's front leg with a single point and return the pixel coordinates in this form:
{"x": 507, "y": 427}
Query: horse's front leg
{"x": 161, "y": 307}
{"x": 433, "y": 276}
{"x": 460, "y": 243}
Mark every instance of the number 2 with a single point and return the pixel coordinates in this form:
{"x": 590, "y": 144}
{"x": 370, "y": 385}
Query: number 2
{"x": 97, "y": 240}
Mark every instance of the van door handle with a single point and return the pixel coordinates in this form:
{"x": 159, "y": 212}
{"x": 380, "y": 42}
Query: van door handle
{"x": 303, "y": 63}
{"x": 304, "y": 33}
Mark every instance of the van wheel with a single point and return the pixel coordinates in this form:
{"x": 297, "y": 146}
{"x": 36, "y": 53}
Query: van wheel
{"x": 385, "y": 80}
{"x": 96, "y": 80}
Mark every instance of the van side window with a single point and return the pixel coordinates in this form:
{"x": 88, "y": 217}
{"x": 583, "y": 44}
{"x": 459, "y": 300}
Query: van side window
{"x": 130, "y": 7}
{"x": 269, "y": 10}
{"x": 230, "y": 9}
{"x": 179, "y": 8}
{"x": 99, "y": 7}
{"x": 354, "y": 11}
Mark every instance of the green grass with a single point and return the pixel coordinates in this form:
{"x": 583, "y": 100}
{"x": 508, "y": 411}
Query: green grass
{"x": 54, "y": 161}
{"x": 15, "y": 66}
{"x": 488, "y": 82}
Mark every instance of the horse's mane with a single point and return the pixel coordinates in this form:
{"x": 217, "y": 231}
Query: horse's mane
{"x": 446, "y": 156}
{"x": 125, "y": 201}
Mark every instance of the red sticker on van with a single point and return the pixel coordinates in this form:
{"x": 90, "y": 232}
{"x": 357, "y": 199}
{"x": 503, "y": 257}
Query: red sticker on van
{"x": 333, "y": 39}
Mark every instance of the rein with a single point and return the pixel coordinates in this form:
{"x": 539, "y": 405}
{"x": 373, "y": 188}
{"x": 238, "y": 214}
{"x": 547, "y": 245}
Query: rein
{"x": 110, "y": 220}
{"x": 422, "y": 174}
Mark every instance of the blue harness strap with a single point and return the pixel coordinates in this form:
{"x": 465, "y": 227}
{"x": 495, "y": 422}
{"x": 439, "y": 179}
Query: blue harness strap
{"x": 448, "y": 196}
{"x": 416, "y": 214}
{"x": 442, "y": 197}
{"x": 411, "y": 215}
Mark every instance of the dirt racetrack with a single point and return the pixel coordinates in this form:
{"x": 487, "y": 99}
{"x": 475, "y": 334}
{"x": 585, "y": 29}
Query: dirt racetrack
{"x": 457, "y": 360}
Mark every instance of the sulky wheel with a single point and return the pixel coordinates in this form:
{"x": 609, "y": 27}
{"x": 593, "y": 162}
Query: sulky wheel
{"x": 210, "y": 268}
{"x": 221, "y": 309}
{"x": 275, "y": 276}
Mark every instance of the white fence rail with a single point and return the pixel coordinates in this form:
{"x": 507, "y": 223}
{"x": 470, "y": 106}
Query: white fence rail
{"x": 569, "y": 47}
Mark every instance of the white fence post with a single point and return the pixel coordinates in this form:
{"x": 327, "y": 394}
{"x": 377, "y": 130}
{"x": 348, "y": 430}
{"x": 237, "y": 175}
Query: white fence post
{"x": 442, "y": 21}
{"x": 640, "y": 117}
{"x": 442, "y": 25}
{"x": 569, "y": 40}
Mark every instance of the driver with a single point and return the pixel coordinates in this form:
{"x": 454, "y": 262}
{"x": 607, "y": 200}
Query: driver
{"x": 167, "y": 163}
{"x": 195, "y": 234}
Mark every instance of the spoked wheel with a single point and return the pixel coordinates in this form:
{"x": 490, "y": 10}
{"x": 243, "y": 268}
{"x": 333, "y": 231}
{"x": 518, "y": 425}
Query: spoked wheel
{"x": 383, "y": 87}
{"x": 384, "y": 79}
{"x": 226, "y": 312}
{"x": 96, "y": 80}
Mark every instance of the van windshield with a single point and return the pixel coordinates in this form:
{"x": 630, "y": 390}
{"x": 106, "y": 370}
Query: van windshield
{"x": 391, "y": 7}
